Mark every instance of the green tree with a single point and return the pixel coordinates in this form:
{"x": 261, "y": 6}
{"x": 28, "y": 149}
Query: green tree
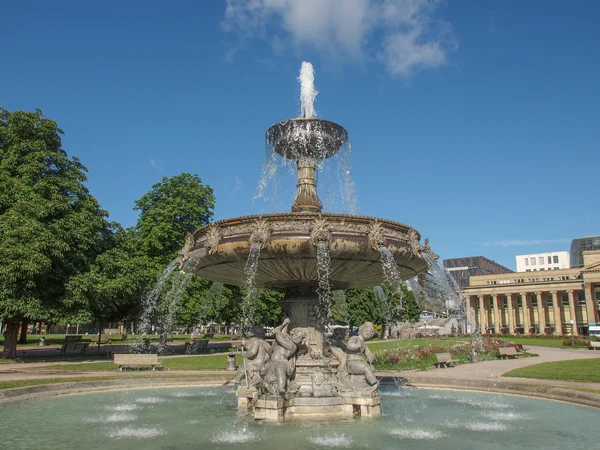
{"x": 172, "y": 208}
{"x": 363, "y": 306}
{"x": 112, "y": 289}
{"x": 51, "y": 228}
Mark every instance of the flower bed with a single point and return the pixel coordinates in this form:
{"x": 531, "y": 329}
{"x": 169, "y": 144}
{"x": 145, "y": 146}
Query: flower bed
{"x": 423, "y": 356}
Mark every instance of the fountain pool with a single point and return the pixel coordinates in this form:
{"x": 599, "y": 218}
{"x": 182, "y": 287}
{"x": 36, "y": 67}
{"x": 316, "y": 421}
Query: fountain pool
{"x": 205, "y": 417}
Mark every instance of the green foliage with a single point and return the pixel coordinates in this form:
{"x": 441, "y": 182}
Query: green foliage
{"x": 51, "y": 228}
{"x": 117, "y": 280}
{"x": 363, "y": 306}
{"x": 172, "y": 208}
{"x": 338, "y": 313}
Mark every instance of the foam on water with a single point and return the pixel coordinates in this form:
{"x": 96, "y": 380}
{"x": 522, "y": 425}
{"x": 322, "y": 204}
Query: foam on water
{"x": 122, "y": 407}
{"x": 183, "y": 394}
{"x": 484, "y": 404}
{"x": 234, "y": 437}
{"x": 416, "y": 433}
{"x": 150, "y": 400}
{"x": 478, "y": 426}
{"x": 113, "y": 418}
{"x": 397, "y": 394}
{"x": 333, "y": 440}
{"x": 137, "y": 433}
{"x": 502, "y": 415}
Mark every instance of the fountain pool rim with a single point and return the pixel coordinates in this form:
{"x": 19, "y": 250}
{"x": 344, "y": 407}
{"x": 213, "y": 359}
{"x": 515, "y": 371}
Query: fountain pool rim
{"x": 9, "y": 397}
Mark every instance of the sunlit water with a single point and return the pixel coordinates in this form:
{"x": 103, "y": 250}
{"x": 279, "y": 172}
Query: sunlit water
{"x": 207, "y": 418}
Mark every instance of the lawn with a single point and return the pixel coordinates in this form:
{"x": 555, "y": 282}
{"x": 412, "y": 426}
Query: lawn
{"x": 211, "y": 362}
{"x": 587, "y": 370}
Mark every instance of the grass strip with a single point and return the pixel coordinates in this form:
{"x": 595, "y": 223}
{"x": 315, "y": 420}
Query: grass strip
{"x": 211, "y": 362}
{"x": 586, "y": 370}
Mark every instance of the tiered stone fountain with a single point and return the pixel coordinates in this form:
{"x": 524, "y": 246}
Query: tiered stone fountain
{"x": 302, "y": 373}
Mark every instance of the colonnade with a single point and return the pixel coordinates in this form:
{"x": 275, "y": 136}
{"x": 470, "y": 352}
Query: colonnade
{"x": 539, "y": 312}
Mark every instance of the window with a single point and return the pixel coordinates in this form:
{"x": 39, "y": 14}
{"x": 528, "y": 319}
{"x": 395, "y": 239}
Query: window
{"x": 534, "y": 301}
{"x": 541, "y": 268}
{"x": 581, "y": 299}
{"x": 555, "y": 258}
{"x": 541, "y": 260}
{"x": 526, "y": 261}
{"x": 527, "y": 270}
{"x": 519, "y": 301}
{"x": 565, "y": 300}
{"x": 556, "y": 268}
{"x": 549, "y": 259}
{"x": 532, "y": 261}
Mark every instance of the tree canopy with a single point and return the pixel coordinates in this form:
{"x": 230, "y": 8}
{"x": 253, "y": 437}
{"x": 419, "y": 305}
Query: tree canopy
{"x": 51, "y": 227}
{"x": 172, "y": 208}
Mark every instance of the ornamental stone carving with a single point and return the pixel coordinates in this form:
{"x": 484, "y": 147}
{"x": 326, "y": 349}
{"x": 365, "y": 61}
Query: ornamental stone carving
{"x": 185, "y": 250}
{"x": 212, "y": 238}
{"x": 412, "y": 238}
{"x": 375, "y": 235}
{"x": 319, "y": 231}
{"x": 260, "y": 233}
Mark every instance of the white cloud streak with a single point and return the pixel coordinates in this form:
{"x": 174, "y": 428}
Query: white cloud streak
{"x": 405, "y": 35}
{"x": 523, "y": 243}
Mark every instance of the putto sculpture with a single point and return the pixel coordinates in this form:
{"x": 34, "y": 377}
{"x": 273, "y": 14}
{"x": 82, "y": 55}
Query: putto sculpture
{"x": 306, "y": 253}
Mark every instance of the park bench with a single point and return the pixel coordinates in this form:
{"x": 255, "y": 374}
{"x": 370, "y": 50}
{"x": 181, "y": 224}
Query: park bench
{"x": 135, "y": 361}
{"x": 507, "y": 352}
{"x": 103, "y": 339}
{"x": 73, "y": 342}
{"x": 595, "y": 345}
{"x": 444, "y": 360}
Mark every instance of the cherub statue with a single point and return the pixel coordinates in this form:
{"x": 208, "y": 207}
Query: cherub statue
{"x": 357, "y": 350}
{"x": 255, "y": 355}
{"x": 277, "y": 371}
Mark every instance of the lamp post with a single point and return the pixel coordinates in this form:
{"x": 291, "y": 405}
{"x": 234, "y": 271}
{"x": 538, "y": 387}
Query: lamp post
{"x": 572, "y": 322}
{"x": 425, "y": 322}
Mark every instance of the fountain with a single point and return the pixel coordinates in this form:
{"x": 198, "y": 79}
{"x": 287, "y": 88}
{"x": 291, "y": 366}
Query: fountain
{"x": 306, "y": 254}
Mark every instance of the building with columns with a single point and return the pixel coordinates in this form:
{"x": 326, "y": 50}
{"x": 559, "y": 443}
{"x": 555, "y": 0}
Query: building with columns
{"x": 536, "y": 302}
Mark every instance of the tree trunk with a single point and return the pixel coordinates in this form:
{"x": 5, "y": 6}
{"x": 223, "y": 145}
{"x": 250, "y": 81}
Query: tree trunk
{"x": 23, "y": 336}
{"x": 10, "y": 338}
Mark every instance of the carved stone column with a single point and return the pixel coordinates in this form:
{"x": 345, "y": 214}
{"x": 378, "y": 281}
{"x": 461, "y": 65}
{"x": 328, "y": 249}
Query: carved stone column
{"x": 592, "y": 315}
{"x": 541, "y": 312}
{"x": 526, "y": 313}
{"x": 556, "y": 311}
{"x": 495, "y": 309}
{"x": 307, "y": 198}
{"x": 510, "y": 314}
{"x": 573, "y": 312}
{"x": 482, "y": 315}
{"x": 300, "y": 307}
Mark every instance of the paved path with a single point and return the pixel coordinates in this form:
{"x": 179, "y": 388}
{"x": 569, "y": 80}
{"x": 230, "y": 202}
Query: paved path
{"x": 493, "y": 370}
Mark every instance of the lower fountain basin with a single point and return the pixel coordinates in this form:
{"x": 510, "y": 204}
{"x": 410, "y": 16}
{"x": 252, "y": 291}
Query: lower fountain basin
{"x": 288, "y": 255}
{"x": 186, "y": 418}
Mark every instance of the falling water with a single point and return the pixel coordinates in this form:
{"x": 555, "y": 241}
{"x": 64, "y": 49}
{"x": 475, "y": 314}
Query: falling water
{"x": 324, "y": 289}
{"x": 151, "y": 301}
{"x": 308, "y": 93}
{"x": 383, "y": 301}
{"x": 390, "y": 271}
{"x": 178, "y": 283}
{"x": 441, "y": 296}
{"x": 251, "y": 299}
{"x": 152, "y": 305}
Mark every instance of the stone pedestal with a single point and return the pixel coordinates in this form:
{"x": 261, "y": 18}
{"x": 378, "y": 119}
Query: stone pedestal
{"x": 290, "y": 407}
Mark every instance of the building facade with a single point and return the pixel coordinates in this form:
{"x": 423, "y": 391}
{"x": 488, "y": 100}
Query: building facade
{"x": 580, "y": 245}
{"x": 543, "y": 261}
{"x": 536, "y": 303}
{"x": 463, "y": 268}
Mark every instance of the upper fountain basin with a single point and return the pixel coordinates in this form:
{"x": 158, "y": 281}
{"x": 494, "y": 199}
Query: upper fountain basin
{"x": 306, "y": 138}
{"x": 288, "y": 255}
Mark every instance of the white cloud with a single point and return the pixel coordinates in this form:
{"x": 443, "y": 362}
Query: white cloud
{"x": 405, "y": 35}
{"x": 519, "y": 242}
{"x": 158, "y": 165}
{"x": 233, "y": 185}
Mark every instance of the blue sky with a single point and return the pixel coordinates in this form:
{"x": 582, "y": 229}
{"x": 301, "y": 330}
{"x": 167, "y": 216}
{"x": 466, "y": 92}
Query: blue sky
{"x": 475, "y": 122}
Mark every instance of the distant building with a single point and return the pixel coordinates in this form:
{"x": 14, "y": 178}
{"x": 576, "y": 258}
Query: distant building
{"x": 543, "y": 261}
{"x": 463, "y": 268}
{"x": 580, "y": 245}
